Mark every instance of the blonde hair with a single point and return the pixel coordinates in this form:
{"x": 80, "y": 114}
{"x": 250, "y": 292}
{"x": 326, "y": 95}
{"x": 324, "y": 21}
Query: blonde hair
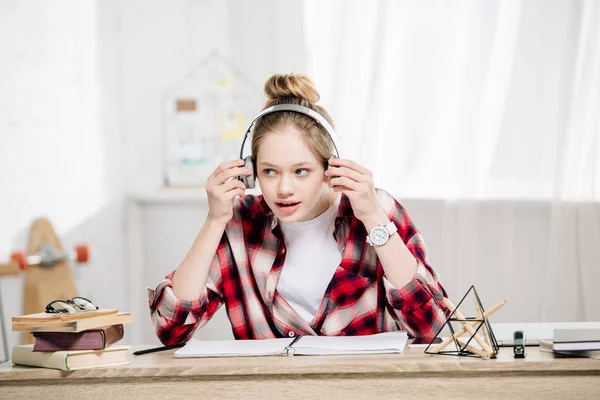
{"x": 294, "y": 89}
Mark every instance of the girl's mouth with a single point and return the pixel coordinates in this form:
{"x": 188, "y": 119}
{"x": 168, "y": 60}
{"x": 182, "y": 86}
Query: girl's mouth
{"x": 288, "y": 208}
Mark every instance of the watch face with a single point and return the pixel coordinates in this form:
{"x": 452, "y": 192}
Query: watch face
{"x": 379, "y": 235}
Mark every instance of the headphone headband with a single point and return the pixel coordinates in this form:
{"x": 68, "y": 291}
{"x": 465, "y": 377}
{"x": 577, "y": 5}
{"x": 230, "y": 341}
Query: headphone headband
{"x": 302, "y": 110}
{"x": 299, "y": 109}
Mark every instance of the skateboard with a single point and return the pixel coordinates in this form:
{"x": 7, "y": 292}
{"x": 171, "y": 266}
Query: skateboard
{"x": 46, "y": 268}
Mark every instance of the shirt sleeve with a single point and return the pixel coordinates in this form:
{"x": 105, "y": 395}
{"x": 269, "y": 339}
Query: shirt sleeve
{"x": 175, "y": 320}
{"x": 419, "y": 305}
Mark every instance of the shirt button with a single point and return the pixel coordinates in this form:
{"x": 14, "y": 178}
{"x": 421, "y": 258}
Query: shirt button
{"x": 282, "y": 251}
{"x": 291, "y": 334}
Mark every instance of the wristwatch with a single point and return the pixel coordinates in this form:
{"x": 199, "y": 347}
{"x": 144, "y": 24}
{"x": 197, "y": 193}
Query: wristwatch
{"x": 380, "y": 234}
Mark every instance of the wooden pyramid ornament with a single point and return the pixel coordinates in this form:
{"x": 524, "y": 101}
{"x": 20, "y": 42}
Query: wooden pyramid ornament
{"x": 465, "y": 339}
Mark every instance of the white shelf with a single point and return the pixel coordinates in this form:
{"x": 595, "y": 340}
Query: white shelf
{"x": 170, "y": 195}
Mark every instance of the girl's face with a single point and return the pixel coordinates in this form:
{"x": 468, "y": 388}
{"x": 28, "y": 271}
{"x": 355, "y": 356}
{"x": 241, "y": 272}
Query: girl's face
{"x": 292, "y": 179}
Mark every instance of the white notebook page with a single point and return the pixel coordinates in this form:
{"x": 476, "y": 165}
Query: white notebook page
{"x": 238, "y": 348}
{"x": 387, "y": 342}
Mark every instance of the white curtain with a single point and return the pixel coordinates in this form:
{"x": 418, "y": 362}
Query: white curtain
{"x": 482, "y": 117}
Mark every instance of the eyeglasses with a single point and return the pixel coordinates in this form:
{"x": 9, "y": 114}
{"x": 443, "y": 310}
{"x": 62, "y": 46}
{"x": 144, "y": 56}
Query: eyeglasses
{"x": 72, "y": 306}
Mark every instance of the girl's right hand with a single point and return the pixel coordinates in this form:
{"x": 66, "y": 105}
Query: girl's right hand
{"x": 221, "y": 189}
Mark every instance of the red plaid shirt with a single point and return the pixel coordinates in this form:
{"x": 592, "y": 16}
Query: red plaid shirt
{"x": 358, "y": 301}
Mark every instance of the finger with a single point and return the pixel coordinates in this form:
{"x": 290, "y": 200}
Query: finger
{"x": 342, "y": 189}
{"x": 233, "y": 193}
{"x": 350, "y": 173}
{"x": 213, "y": 183}
{"x": 227, "y": 174}
{"x": 229, "y": 185}
{"x": 226, "y": 165}
{"x": 347, "y": 182}
{"x": 342, "y": 162}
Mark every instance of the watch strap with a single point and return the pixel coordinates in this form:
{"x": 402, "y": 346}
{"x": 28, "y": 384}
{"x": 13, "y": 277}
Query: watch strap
{"x": 391, "y": 228}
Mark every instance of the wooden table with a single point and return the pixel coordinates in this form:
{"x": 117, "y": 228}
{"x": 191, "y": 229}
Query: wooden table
{"x": 409, "y": 375}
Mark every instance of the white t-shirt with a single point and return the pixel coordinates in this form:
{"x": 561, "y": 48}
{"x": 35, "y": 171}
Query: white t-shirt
{"x": 311, "y": 260}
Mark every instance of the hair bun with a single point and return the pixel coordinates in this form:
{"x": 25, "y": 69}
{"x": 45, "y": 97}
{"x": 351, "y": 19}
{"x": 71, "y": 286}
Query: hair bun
{"x": 282, "y": 86}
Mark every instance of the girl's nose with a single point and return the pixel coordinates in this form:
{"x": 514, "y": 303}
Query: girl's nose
{"x": 285, "y": 188}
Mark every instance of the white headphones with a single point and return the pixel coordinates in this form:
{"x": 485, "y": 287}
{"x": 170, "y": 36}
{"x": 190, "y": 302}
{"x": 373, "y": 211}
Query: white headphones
{"x": 248, "y": 180}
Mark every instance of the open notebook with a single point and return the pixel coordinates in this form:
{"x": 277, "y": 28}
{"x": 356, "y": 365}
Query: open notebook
{"x": 388, "y": 342}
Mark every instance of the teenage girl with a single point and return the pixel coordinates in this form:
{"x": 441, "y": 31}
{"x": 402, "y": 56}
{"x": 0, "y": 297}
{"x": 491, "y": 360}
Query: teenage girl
{"x": 320, "y": 252}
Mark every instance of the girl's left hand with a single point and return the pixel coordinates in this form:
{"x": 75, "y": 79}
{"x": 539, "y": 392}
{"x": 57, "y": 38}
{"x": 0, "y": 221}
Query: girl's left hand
{"x": 356, "y": 182}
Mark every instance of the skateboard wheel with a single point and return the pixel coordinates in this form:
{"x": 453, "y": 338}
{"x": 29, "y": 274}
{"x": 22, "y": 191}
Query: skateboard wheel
{"x": 83, "y": 253}
{"x": 20, "y": 258}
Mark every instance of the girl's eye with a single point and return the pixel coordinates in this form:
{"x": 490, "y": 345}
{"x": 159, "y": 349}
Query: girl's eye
{"x": 268, "y": 171}
{"x": 302, "y": 171}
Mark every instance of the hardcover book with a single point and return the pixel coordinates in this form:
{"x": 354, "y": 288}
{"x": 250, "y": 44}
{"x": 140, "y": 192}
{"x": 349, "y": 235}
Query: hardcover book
{"x": 94, "y": 339}
{"x": 70, "y": 360}
{"x": 78, "y": 325}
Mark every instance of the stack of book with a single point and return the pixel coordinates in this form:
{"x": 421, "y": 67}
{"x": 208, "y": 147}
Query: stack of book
{"x": 576, "y": 342}
{"x": 72, "y": 341}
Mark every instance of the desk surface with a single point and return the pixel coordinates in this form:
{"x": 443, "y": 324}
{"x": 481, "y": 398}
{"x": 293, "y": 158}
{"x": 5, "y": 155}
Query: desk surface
{"x": 539, "y": 371}
{"x": 412, "y": 361}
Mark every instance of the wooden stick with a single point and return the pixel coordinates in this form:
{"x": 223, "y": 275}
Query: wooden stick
{"x": 486, "y": 335}
{"x": 472, "y": 349}
{"x": 461, "y": 332}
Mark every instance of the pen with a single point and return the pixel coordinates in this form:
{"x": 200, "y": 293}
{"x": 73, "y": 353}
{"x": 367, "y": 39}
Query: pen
{"x": 294, "y": 341}
{"x": 155, "y": 349}
{"x": 289, "y": 349}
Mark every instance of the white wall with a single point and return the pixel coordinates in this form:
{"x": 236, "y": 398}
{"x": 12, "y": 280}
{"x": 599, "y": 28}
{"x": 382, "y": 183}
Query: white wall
{"x": 161, "y": 42}
{"x": 61, "y": 151}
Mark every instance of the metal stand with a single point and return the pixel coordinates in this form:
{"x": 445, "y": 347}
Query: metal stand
{"x": 466, "y": 339}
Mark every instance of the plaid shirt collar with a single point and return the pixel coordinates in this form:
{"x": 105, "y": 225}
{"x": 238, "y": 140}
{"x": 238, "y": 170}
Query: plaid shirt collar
{"x": 285, "y": 316}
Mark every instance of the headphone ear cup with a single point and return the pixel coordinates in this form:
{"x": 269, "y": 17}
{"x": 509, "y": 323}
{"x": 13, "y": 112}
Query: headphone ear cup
{"x": 330, "y": 167}
{"x": 248, "y": 180}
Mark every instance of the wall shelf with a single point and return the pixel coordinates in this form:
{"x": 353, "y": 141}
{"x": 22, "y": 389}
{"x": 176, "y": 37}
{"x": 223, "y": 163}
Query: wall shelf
{"x": 170, "y": 196}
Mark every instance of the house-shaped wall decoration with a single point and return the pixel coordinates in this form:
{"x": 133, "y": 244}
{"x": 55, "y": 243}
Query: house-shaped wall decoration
{"x": 205, "y": 116}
